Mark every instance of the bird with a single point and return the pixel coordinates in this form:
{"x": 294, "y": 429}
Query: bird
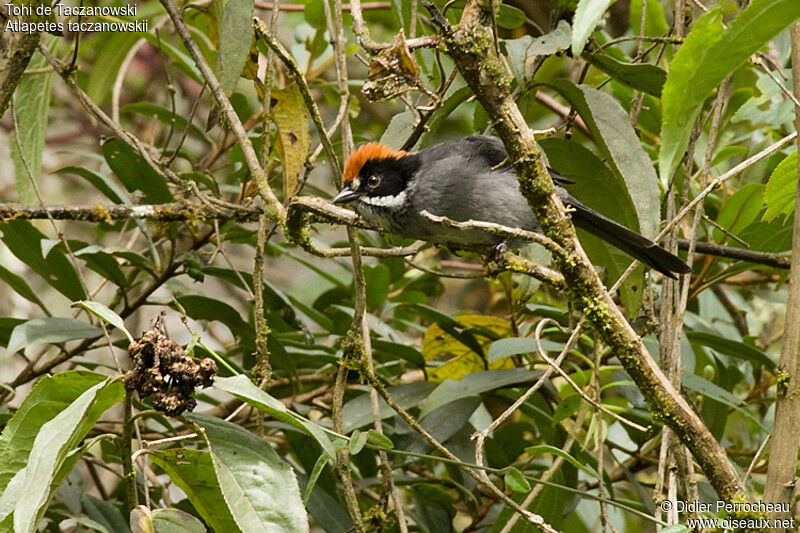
{"x": 469, "y": 179}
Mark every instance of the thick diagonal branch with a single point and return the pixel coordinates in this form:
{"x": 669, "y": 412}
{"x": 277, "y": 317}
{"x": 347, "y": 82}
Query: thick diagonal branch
{"x": 470, "y": 46}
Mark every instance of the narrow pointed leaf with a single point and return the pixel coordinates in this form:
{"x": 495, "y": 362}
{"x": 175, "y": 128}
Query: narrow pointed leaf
{"x": 587, "y": 15}
{"x": 241, "y": 387}
{"x": 50, "y": 330}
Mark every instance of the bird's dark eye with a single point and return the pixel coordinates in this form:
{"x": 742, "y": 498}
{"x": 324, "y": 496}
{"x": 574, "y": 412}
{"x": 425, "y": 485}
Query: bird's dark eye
{"x": 373, "y": 181}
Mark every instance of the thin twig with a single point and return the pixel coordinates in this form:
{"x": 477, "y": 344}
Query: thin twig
{"x": 499, "y": 229}
{"x": 148, "y": 153}
{"x": 263, "y": 33}
{"x": 275, "y": 210}
{"x": 362, "y": 34}
{"x": 786, "y": 92}
{"x": 300, "y": 7}
{"x": 718, "y": 181}
{"x": 131, "y": 492}
{"x": 181, "y": 211}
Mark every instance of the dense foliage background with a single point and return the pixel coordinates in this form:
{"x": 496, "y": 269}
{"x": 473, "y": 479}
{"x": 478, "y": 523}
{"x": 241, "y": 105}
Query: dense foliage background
{"x": 650, "y": 115}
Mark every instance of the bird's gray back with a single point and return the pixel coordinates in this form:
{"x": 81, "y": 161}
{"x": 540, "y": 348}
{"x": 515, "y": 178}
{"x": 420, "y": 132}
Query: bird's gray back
{"x": 462, "y": 195}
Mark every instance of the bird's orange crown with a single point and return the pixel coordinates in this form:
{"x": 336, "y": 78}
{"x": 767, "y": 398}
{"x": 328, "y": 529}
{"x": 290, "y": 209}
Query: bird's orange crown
{"x": 363, "y": 154}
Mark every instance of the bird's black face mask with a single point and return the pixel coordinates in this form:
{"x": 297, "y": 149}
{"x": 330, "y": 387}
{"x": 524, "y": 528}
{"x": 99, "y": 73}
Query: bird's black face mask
{"x": 380, "y": 182}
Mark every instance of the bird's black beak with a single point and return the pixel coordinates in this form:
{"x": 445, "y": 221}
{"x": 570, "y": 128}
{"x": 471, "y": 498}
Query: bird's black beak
{"x": 346, "y": 196}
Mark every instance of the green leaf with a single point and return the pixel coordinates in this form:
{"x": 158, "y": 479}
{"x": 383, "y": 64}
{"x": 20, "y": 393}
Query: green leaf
{"x": 21, "y": 287}
{"x": 163, "y": 115}
{"x": 104, "y": 264}
{"x": 259, "y": 487}
{"x": 182, "y": 60}
{"x": 193, "y": 472}
{"x": 715, "y": 392}
{"x": 241, "y": 387}
{"x": 274, "y": 298}
{"x": 319, "y": 466}
{"x": 472, "y": 385}
{"x": 399, "y": 129}
{"x": 517, "y": 345}
{"x": 110, "y": 53}
{"x": 201, "y": 178}
{"x": 357, "y": 442}
{"x": 175, "y": 521}
{"x": 379, "y": 439}
{"x": 618, "y": 143}
{"x": 134, "y": 172}
{"x": 606, "y": 192}
{"x": 201, "y": 307}
{"x": 50, "y": 330}
{"x": 314, "y": 13}
{"x": 32, "y": 106}
{"x": 709, "y": 54}
{"x": 566, "y": 408}
{"x": 449, "y": 105}
{"x": 377, "y": 285}
{"x": 358, "y": 411}
{"x": 394, "y": 351}
{"x": 7, "y": 325}
{"x": 101, "y": 261}
{"x": 676, "y": 528}
{"x": 107, "y": 315}
{"x": 24, "y": 241}
{"x": 104, "y": 514}
{"x": 516, "y": 481}
{"x": 552, "y": 504}
{"x": 235, "y": 40}
{"x": 541, "y": 449}
{"x": 168, "y": 520}
{"x": 509, "y": 17}
{"x": 740, "y": 210}
{"x": 50, "y": 396}
{"x": 781, "y": 189}
{"x": 523, "y": 51}
{"x": 732, "y": 348}
{"x": 769, "y": 109}
{"x": 587, "y": 15}
{"x": 774, "y": 236}
{"x": 54, "y": 440}
{"x": 106, "y": 186}
{"x": 729, "y": 152}
{"x": 640, "y": 76}
{"x": 655, "y": 24}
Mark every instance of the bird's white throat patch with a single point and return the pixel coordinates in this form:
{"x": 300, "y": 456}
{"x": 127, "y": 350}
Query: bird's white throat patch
{"x": 393, "y": 201}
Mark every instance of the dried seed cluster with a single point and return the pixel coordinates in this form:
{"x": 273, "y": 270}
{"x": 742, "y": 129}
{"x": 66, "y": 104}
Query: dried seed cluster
{"x": 162, "y": 368}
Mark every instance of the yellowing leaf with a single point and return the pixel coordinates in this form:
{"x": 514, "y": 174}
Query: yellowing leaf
{"x": 250, "y": 69}
{"x": 290, "y": 115}
{"x": 459, "y": 358}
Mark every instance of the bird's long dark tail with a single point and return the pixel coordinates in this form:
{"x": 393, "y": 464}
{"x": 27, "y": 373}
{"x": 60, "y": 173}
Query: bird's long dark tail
{"x": 628, "y": 241}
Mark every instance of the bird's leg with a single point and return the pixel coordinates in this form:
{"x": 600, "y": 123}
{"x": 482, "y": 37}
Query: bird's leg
{"x": 495, "y": 257}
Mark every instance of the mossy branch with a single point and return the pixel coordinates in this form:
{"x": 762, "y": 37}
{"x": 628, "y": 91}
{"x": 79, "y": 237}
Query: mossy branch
{"x": 470, "y": 45}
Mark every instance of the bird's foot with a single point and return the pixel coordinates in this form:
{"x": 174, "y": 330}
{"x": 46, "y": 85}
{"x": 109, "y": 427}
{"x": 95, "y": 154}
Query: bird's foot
{"x": 496, "y": 257}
